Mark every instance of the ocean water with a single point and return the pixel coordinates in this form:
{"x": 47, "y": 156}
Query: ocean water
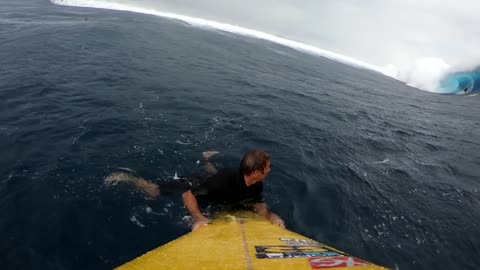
{"x": 360, "y": 161}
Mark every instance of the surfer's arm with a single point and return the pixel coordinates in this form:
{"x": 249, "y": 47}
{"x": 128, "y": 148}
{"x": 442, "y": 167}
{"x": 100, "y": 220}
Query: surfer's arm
{"x": 262, "y": 209}
{"x": 150, "y": 188}
{"x": 192, "y": 206}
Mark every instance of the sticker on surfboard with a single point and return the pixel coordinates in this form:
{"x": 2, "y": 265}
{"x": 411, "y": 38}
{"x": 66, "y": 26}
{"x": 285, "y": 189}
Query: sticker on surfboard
{"x": 287, "y": 251}
{"x": 335, "y": 262}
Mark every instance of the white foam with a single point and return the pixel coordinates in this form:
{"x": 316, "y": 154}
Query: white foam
{"x": 224, "y": 27}
{"x": 381, "y": 162}
{"x": 136, "y": 222}
{"x": 424, "y": 73}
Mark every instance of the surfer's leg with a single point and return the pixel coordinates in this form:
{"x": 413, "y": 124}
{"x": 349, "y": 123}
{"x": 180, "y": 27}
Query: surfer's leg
{"x": 209, "y": 166}
{"x": 121, "y": 175}
{"x": 176, "y": 185}
{"x": 125, "y": 175}
{"x": 151, "y": 189}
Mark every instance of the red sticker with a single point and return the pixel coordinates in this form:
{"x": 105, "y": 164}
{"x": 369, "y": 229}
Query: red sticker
{"x": 334, "y": 262}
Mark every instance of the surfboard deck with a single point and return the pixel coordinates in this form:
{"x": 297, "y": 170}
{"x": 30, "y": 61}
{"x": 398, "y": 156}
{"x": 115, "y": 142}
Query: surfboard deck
{"x": 245, "y": 241}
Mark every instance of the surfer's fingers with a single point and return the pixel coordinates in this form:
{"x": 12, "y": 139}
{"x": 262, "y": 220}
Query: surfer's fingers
{"x": 200, "y": 223}
{"x": 277, "y": 220}
{"x": 281, "y": 224}
{"x": 196, "y": 226}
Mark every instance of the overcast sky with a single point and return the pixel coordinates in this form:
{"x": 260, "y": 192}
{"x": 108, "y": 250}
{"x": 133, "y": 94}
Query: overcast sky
{"x": 379, "y": 32}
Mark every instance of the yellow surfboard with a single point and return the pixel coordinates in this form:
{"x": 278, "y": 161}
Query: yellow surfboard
{"x": 245, "y": 241}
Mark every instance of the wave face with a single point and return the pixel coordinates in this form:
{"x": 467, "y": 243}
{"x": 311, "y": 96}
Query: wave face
{"x": 224, "y": 27}
{"x": 460, "y": 83}
{"x": 428, "y": 74}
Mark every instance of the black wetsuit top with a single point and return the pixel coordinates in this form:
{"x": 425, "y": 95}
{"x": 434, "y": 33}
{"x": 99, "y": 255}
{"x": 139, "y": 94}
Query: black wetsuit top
{"x": 228, "y": 185}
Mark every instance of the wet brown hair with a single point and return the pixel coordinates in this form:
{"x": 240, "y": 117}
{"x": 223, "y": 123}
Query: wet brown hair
{"x": 255, "y": 159}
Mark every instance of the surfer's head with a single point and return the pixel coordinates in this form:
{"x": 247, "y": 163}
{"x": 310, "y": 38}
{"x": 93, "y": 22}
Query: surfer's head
{"x": 255, "y": 163}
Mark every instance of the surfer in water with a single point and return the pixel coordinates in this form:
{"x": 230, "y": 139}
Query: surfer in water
{"x": 243, "y": 185}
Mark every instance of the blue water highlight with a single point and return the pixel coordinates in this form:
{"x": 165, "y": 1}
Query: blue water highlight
{"x": 461, "y": 83}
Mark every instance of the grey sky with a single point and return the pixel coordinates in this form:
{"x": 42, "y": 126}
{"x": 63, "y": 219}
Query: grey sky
{"x": 379, "y": 32}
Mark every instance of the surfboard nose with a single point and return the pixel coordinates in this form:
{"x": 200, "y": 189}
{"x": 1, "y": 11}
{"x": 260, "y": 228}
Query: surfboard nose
{"x": 246, "y": 241}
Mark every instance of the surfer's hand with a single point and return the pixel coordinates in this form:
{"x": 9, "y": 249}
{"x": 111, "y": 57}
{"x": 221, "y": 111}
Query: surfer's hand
{"x": 200, "y": 222}
{"x": 275, "y": 219}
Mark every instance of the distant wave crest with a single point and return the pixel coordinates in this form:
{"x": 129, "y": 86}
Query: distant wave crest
{"x": 429, "y": 74}
{"x": 220, "y": 26}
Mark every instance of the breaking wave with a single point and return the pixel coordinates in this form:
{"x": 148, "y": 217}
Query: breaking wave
{"x": 461, "y": 82}
{"x": 434, "y": 75}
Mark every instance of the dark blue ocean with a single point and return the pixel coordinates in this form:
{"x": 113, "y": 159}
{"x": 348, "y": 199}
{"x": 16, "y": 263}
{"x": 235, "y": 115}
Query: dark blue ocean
{"x": 360, "y": 161}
